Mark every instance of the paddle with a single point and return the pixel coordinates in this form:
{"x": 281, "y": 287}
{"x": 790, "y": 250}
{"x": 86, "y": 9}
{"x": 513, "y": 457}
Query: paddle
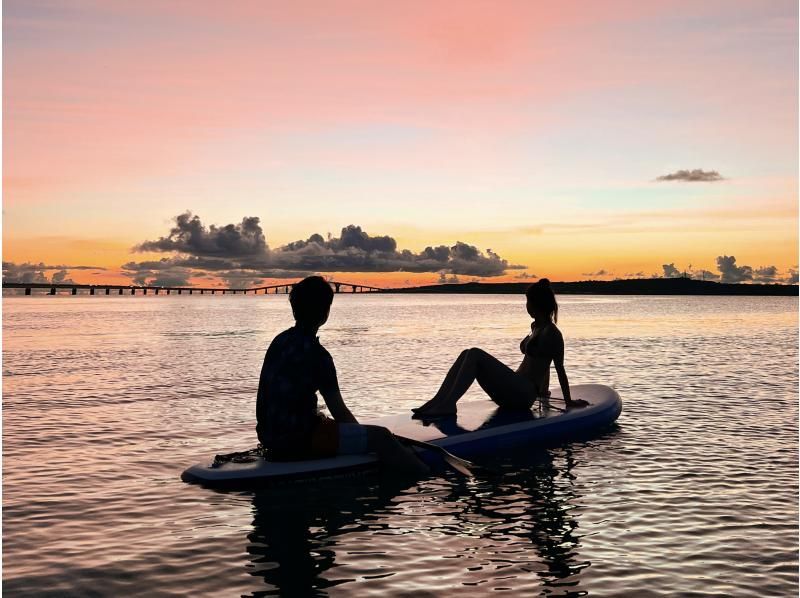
{"x": 460, "y": 465}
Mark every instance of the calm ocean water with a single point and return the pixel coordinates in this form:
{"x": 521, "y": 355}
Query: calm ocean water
{"x": 107, "y": 399}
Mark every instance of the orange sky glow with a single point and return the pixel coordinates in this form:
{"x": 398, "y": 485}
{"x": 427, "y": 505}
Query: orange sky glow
{"x": 570, "y": 140}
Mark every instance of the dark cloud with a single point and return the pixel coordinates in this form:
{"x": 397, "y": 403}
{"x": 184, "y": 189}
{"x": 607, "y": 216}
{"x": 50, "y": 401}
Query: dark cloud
{"x": 525, "y": 276}
{"x": 161, "y": 273}
{"x": 69, "y": 267}
{"x": 167, "y": 279}
{"x": 730, "y": 272}
{"x": 692, "y": 176}
{"x": 61, "y": 277}
{"x": 37, "y": 273}
{"x": 354, "y": 237}
{"x": 240, "y": 279}
{"x": 439, "y": 254}
{"x": 598, "y": 273}
{"x": 767, "y": 274}
{"x": 356, "y": 251}
{"x": 242, "y": 248}
{"x": 24, "y": 272}
{"x": 792, "y": 276}
{"x": 705, "y": 275}
{"x": 190, "y": 236}
{"x": 444, "y": 279}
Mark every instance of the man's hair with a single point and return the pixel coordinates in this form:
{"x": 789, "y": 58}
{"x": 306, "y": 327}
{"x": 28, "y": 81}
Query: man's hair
{"x": 311, "y": 299}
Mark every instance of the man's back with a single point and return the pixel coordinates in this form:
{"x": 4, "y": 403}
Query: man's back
{"x": 295, "y": 367}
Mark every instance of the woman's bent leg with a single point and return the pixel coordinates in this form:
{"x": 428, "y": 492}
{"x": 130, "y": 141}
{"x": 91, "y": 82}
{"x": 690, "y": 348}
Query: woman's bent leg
{"x": 447, "y": 384}
{"x": 504, "y": 386}
{"x": 452, "y": 374}
{"x": 445, "y": 404}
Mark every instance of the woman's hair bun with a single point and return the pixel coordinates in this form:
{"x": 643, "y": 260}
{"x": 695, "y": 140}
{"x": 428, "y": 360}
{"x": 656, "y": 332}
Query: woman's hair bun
{"x": 541, "y": 296}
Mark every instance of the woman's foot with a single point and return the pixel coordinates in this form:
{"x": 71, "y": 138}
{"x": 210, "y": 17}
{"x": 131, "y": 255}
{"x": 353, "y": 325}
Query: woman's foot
{"x": 432, "y": 414}
{"x": 426, "y": 406}
{"x": 435, "y": 409}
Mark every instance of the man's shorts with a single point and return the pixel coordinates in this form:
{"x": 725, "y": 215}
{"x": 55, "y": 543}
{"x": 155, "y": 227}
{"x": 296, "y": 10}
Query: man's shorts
{"x": 330, "y": 439}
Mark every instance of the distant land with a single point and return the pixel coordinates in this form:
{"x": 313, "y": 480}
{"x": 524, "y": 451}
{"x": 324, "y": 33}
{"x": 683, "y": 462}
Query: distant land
{"x": 642, "y": 286}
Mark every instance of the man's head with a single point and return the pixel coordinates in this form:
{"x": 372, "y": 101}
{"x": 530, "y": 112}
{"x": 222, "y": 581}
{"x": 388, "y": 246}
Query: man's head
{"x": 311, "y": 300}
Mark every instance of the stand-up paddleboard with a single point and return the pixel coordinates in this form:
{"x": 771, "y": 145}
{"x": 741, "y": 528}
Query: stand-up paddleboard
{"x": 480, "y": 427}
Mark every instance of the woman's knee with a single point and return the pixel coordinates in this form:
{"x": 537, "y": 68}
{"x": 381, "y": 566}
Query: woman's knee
{"x": 477, "y": 357}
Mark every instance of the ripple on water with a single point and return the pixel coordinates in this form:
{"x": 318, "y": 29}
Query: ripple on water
{"x": 693, "y": 493}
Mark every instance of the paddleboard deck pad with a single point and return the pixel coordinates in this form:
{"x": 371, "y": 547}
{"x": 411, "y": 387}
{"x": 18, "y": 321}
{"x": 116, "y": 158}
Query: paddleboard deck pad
{"x": 479, "y": 427}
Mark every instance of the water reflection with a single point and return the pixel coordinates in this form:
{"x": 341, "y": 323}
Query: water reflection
{"x": 294, "y": 531}
{"x": 519, "y": 530}
{"x": 533, "y": 507}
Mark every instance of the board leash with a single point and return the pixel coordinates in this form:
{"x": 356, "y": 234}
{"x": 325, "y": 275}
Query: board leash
{"x": 240, "y": 457}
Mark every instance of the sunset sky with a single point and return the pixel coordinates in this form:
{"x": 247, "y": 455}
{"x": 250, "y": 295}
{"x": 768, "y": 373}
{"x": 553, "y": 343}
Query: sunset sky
{"x": 571, "y": 140}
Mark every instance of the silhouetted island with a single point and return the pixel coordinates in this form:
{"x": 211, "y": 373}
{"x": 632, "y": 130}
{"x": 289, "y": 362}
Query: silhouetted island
{"x": 641, "y": 286}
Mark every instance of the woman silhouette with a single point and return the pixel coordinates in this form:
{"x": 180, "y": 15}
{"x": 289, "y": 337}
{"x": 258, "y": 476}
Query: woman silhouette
{"x": 506, "y": 387}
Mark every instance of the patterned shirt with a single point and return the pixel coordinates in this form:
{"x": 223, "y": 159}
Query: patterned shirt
{"x": 295, "y": 367}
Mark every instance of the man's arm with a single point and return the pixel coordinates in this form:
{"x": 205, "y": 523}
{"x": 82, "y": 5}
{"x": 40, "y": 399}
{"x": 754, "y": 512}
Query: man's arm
{"x": 329, "y": 389}
{"x": 335, "y": 403}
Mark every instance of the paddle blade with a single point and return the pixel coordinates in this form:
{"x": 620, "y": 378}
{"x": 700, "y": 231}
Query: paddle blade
{"x": 460, "y": 465}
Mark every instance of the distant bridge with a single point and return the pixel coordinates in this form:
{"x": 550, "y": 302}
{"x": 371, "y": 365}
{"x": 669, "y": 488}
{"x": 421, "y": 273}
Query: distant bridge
{"x": 99, "y": 289}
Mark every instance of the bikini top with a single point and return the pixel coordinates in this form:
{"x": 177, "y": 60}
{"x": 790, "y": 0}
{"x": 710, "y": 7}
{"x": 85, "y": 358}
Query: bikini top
{"x": 531, "y": 341}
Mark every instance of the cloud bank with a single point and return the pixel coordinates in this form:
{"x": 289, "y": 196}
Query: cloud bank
{"x": 444, "y": 279}
{"x": 37, "y": 273}
{"x": 728, "y": 272}
{"x": 240, "y": 253}
{"x": 692, "y": 176}
{"x": 705, "y": 275}
{"x": 767, "y": 274}
{"x": 731, "y": 272}
{"x": 601, "y": 272}
{"x": 525, "y": 276}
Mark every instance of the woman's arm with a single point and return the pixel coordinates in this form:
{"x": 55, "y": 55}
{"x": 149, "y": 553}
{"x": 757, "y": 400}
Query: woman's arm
{"x": 563, "y": 381}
